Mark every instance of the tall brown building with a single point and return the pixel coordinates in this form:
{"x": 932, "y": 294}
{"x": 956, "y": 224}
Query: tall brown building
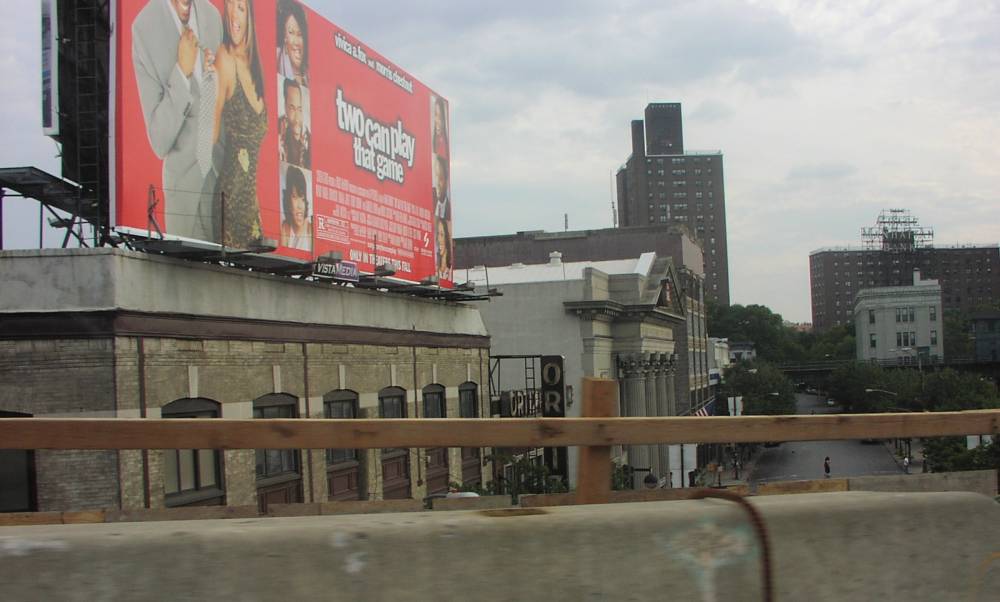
{"x": 662, "y": 183}
{"x": 896, "y": 246}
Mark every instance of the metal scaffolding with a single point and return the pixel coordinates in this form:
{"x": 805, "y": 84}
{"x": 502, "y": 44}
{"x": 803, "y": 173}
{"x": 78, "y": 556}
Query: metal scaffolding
{"x": 897, "y": 231}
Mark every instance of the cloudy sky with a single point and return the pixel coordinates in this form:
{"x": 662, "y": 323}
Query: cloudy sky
{"x": 826, "y": 112}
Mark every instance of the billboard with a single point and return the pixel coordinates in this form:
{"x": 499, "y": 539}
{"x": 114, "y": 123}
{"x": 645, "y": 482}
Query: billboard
{"x": 242, "y": 121}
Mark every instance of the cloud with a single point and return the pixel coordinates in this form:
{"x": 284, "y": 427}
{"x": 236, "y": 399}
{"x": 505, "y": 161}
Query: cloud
{"x": 821, "y": 171}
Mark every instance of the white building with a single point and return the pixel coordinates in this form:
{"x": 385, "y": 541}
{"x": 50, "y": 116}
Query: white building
{"x": 900, "y": 324}
{"x": 718, "y": 359}
{"x": 612, "y": 319}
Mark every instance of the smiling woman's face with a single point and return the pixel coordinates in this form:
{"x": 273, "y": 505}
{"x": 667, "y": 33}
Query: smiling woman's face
{"x": 236, "y": 20}
{"x": 294, "y": 47}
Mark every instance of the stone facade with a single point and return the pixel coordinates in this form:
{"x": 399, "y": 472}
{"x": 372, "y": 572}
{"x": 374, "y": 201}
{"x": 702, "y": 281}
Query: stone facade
{"x": 81, "y": 357}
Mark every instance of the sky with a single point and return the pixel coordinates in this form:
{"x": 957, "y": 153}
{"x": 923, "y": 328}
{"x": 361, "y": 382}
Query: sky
{"x": 826, "y": 112}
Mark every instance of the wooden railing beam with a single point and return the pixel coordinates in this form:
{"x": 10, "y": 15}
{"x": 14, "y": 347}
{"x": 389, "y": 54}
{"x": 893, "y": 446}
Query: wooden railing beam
{"x": 122, "y": 433}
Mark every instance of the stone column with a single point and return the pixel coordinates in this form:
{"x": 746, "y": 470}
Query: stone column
{"x": 663, "y": 407}
{"x": 652, "y": 409}
{"x": 635, "y": 403}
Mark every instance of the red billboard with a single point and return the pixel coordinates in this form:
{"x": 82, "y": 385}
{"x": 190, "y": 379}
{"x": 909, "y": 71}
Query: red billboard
{"x": 243, "y": 121}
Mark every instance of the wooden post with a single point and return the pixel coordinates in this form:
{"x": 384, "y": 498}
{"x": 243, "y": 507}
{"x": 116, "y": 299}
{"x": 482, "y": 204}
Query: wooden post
{"x": 593, "y": 483}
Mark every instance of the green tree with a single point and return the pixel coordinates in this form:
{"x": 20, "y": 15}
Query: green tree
{"x": 949, "y": 454}
{"x": 773, "y": 341}
{"x": 764, "y": 388}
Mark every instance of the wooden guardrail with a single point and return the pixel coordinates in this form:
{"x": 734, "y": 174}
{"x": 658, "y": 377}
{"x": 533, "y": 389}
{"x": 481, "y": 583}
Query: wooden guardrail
{"x": 595, "y": 434}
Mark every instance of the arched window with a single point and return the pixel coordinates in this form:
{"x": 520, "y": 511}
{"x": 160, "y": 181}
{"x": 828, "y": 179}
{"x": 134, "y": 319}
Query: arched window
{"x": 192, "y": 476}
{"x": 395, "y": 461}
{"x": 468, "y": 400}
{"x": 276, "y": 462}
{"x": 392, "y": 403}
{"x": 340, "y": 404}
{"x": 434, "y": 403}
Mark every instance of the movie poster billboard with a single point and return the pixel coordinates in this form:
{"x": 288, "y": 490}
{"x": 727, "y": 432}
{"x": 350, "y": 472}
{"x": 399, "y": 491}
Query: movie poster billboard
{"x": 239, "y": 121}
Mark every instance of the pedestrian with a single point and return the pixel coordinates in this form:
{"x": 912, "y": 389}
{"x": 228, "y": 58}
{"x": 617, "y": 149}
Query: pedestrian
{"x": 826, "y": 467}
{"x": 906, "y": 464}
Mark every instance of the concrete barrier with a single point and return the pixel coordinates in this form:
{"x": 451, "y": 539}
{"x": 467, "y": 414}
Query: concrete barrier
{"x": 813, "y": 486}
{"x": 978, "y": 481}
{"x": 831, "y": 546}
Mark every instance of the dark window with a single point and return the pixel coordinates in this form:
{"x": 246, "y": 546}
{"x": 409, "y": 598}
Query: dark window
{"x": 434, "y": 403}
{"x": 17, "y": 476}
{"x": 872, "y": 341}
{"x": 340, "y": 404}
{"x": 391, "y": 404}
{"x": 276, "y": 462}
{"x": 871, "y": 317}
{"x": 933, "y": 309}
{"x": 468, "y": 402}
{"x": 191, "y": 476}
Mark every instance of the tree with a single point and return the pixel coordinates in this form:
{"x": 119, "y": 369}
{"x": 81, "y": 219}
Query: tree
{"x": 949, "y": 454}
{"x": 863, "y": 388}
{"x": 774, "y": 341}
{"x": 764, "y": 388}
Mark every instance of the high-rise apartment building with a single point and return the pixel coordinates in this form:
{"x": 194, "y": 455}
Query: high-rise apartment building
{"x": 662, "y": 183}
{"x": 897, "y": 245}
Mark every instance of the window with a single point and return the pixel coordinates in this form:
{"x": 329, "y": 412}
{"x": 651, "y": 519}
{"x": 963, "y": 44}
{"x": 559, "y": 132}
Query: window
{"x": 434, "y": 404}
{"x": 17, "y": 476}
{"x": 392, "y": 403}
{"x": 340, "y": 404}
{"x": 933, "y": 312}
{"x": 872, "y": 341}
{"x": 468, "y": 400}
{"x": 913, "y": 312}
{"x": 273, "y": 463}
{"x": 191, "y": 475}
{"x": 899, "y": 314}
{"x": 899, "y": 339}
{"x": 871, "y": 319}
{"x": 934, "y": 337}
{"x": 663, "y": 218}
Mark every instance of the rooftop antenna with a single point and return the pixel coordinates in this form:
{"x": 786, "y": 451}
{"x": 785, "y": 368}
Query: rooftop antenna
{"x": 565, "y": 222}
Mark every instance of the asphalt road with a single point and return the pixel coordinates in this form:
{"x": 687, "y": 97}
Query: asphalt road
{"x": 799, "y": 460}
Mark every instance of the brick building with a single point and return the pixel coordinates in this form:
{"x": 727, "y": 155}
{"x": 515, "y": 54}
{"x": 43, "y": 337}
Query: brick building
{"x": 111, "y": 333}
{"x": 663, "y": 183}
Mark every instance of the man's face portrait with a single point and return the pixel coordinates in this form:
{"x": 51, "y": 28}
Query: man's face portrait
{"x": 293, "y": 110}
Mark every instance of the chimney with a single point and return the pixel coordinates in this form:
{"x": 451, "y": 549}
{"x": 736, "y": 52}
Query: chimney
{"x": 555, "y": 258}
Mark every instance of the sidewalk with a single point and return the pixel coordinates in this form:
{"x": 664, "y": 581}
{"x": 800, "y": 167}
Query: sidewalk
{"x": 917, "y": 460}
{"x": 746, "y": 472}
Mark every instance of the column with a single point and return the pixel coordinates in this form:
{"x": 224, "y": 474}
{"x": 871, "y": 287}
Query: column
{"x": 663, "y": 408}
{"x": 635, "y": 404}
{"x": 652, "y": 409}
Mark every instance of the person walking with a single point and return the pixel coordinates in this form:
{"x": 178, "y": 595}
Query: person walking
{"x": 906, "y": 464}
{"x": 826, "y": 467}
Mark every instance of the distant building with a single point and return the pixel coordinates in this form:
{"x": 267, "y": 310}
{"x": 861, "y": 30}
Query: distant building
{"x": 623, "y": 319}
{"x": 742, "y": 351}
{"x": 900, "y": 324}
{"x": 969, "y": 274}
{"x": 718, "y": 360}
{"x": 985, "y": 327}
{"x": 662, "y": 183}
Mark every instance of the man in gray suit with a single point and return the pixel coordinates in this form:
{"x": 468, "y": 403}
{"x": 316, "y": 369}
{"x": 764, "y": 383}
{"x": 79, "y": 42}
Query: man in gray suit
{"x": 169, "y": 40}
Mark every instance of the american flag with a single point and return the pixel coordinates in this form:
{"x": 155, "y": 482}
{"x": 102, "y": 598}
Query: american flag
{"x": 705, "y": 410}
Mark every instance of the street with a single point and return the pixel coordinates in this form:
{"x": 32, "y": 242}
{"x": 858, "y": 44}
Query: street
{"x": 800, "y": 460}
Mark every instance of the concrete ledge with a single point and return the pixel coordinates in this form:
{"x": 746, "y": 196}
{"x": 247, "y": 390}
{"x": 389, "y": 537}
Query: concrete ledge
{"x": 485, "y": 502}
{"x": 549, "y": 500}
{"x": 813, "y": 486}
{"x": 371, "y": 507}
{"x": 978, "y": 481}
{"x": 10, "y": 519}
{"x": 825, "y": 547}
{"x": 185, "y": 513}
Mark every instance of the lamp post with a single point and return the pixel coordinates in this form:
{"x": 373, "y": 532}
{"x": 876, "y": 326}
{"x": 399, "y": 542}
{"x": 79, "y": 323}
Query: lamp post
{"x": 898, "y": 441}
